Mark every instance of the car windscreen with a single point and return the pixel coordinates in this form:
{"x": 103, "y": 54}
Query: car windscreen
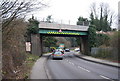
{"x": 58, "y": 53}
{"x": 66, "y": 49}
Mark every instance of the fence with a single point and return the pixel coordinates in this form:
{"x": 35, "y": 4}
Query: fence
{"x": 110, "y": 53}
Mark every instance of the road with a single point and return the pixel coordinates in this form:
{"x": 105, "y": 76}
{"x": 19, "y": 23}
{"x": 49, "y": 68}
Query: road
{"x": 72, "y": 67}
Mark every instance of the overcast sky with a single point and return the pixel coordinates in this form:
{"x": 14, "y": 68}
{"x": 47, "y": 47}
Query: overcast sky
{"x": 66, "y": 10}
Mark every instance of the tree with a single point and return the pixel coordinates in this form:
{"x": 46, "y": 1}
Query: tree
{"x": 33, "y": 26}
{"x": 82, "y": 21}
{"x": 72, "y": 41}
{"x": 49, "y": 41}
{"x": 14, "y": 9}
{"x": 49, "y": 17}
{"x": 101, "y": 18}
{"x": 13, "y": 49}
{"x": 92, "y": 19}
{"x": 78, "y": 41}
{"x": 102, "y": 39}
{"x": 93, "y": 10}
{"x": 92, "y": 36}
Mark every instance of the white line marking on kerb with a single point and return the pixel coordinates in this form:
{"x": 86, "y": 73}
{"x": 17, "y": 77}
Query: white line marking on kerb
{"x": 104, "y": 77}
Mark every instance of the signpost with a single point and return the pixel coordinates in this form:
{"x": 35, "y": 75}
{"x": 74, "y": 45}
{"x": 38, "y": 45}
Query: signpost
{"x": 28, "y": 46}
{"x": 61, "y": 46}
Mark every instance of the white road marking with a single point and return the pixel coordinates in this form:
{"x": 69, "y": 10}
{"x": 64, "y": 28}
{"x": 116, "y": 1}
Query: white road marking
{"x": 87, "y": 70}
{"x": 72, "y": 63}
{"x": 66, "y": 59}
{"x": 83, "y": 69}
{"x": 104, "y": 77}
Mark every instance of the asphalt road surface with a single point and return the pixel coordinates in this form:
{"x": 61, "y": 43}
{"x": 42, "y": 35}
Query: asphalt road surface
{"x": 72, "y": 67}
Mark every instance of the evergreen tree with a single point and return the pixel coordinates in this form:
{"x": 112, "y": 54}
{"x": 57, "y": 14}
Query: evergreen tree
{"x": 82, "y": 21}
{"x": 49, "y": 41}
{"x": 49, "y": 17}
{"x": 101, "y": 21}
{"x": 33, "y": 26}
{"x": 92, "y": 36}
{"x": 92, "y": 19}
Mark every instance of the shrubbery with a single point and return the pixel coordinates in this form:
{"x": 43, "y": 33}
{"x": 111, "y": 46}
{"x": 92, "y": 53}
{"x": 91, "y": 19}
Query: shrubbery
{"x": 103, "y": 53}
{"x": 33, "y": 26}
{"x": 92, "y": 36}
{"x": 13, "y": 50}
{"x": 102, "y": 39}
{"x": 111, "y": 52}
{"x": 115, "y": 43}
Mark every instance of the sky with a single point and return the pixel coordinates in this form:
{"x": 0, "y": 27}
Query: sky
{"x": 68, "y": 11}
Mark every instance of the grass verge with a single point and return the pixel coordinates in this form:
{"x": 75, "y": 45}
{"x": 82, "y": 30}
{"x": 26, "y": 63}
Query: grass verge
{"x": 30, "y": 60}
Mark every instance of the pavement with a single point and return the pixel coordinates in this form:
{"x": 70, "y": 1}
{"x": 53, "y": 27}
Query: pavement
{"x": 39, "y": 68}
{"x": 96, "y": 60}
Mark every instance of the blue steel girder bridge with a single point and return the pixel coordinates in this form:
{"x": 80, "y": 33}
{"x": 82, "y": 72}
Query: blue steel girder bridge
{"x": 64, "y": 30}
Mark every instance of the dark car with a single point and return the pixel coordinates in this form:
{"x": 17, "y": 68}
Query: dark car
{"x": 57, "y": 54}
{"x": 67, "y": 50}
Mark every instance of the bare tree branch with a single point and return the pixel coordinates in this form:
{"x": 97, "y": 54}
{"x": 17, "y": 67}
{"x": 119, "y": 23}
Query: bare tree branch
{"x": 9, "y": 7}
{"x": 13, "y": 9}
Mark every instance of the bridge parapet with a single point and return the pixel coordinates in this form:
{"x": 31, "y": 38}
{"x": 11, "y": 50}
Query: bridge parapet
{"x": 62, "y": 26}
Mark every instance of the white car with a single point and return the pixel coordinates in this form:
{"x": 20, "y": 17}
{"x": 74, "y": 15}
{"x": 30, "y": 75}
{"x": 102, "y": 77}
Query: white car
{"x": 77, "y": 49}
{"x": 61, "y": 50}
{"x": 57, "y": 54}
